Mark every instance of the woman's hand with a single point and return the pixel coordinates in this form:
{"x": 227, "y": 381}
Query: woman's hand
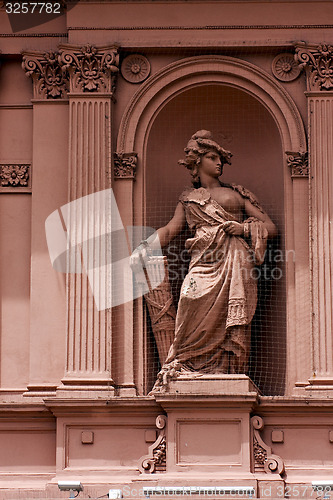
{"x": 140, "y": 256}
{"x": 234, "y": 228}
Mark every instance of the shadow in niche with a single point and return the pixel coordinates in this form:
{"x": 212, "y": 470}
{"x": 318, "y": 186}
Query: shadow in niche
{"x": 241, "y": 124}
{"x": 267, "y": 363}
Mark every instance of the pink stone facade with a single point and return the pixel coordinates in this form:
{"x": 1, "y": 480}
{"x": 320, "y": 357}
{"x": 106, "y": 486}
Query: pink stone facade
{"x": 105, "y": 96}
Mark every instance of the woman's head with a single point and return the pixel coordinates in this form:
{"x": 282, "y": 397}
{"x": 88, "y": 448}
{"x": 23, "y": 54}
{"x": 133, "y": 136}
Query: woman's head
{"x": 199, "y": 145}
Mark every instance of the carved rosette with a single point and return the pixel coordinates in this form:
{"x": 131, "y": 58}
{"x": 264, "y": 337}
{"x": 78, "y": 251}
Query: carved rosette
{"x": 125, "y": 165}
{"x": 155, "y": 461}
{"x": 298, "y": 163}
{"x": 263, "y": 459}
{"x": 318, "y": 64}
{"x": 49, "y": 81}
{"x": 135, "y": 68}
{"x": 15, "y": 176}
{"x": 285, "y": 68}
{"x": 91, "y": 69}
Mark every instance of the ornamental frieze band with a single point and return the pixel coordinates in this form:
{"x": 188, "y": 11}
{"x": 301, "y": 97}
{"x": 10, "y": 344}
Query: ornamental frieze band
{"x": 15, "y": 177}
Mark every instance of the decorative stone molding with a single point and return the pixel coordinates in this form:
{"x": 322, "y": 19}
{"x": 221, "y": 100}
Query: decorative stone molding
{"x": 15, "y": 177}
{"x": 318, "y": 64}
{"x": 155, "y": 461}
{"x": 285, "y": 68}
{"x": 135, "y": 68}
{"x": 91, "y": 69}
{"x": 125, "y": 165}
{"x": 49, "y": 81}
{"x": 298, "y": 163}
{"x": 263, "y": 459}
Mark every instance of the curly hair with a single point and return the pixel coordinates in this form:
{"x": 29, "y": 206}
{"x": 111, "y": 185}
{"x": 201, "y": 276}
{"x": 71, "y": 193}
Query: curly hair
{"x": 200, "y": 144}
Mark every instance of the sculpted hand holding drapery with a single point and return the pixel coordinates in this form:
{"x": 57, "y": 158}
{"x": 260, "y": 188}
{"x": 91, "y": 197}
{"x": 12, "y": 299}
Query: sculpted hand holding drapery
{"x": 219, "y": 294}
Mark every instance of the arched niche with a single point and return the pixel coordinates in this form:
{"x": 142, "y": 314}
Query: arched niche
{"x": 250, "y": 114}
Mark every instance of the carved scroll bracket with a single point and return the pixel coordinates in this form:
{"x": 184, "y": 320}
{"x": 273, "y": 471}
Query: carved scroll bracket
{"x": 264, "y": 460}
{"x": 125, "y": 165}
{"x": 91, "y": 69}
{"x": 298, "y": 163}
{"x": 155, "y": 461}
{"x": 318, "y": 63}
{"x": 49, "y": 81}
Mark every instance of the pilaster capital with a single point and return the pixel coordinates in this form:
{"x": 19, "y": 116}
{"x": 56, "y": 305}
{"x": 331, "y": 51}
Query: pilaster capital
{"x": 298, "y": 163}
{"x": 49, "y": 81}
{"x": 318, "y": 63}
{"x": 90, "y": 69}
{"x": 125, "y": 165}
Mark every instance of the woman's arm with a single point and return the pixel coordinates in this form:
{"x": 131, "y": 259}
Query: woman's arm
{"x": 160, "y": 238}
{"x": 172, "y": 229}
{"x": 237, "y": 229}
{"x": 253, "y": 211}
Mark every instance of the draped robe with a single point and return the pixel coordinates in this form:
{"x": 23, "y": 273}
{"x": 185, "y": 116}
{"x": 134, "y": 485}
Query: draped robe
{"x": 219, "y": 294}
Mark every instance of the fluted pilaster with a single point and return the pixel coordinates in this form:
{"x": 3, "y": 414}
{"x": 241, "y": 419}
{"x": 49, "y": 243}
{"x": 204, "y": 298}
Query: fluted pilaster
{"x": 92, "y": 72}
{"x": 318, "y": 64}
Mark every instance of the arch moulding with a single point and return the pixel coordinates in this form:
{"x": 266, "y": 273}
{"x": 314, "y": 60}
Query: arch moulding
{"x": 187, "y": 73}
{"x": 190, "y": 72}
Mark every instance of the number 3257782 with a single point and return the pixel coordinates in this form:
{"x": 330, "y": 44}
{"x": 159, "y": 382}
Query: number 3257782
{"x": 33, "y": 7}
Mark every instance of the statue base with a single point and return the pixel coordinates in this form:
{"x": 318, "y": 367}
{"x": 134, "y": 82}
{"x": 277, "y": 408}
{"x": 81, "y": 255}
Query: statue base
{"x": 212, "y": 385}
{"x": 208, "y": 424}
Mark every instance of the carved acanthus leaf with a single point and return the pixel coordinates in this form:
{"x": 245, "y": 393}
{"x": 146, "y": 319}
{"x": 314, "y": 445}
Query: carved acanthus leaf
{"x": 125, "y": 165}
{"x": 260, "y": 454}
{"x": 263, "y": 458}
{"x": 49, "y": 81}
{"x": 318, "y": 64}
{"x": 12, "y": 176}
{"x": 91, "y": 69}
{"x": 298, "y": 163}
{"x": 155, "y": 461}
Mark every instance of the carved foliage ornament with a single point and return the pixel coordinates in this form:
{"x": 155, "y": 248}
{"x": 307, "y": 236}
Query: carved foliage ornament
{"x": 155, "y": 461}
{"x": 298, "y": 163}
{"x": 91, "y": 69}
{"x": 135, "y": 68}
{"x": 12, "y": 176}
{"x": 125, "y": 165}
{"x": 318, "y": 63}
{"x": 264, "y": 460}
{"x": 285, "y": 68}
{"x": 49, "y": 80}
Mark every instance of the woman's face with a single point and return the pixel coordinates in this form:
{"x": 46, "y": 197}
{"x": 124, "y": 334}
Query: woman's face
{"x": 211, "y": 164}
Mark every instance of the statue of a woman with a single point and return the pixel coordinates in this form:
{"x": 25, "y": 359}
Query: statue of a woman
{"x": 219, "y": 294}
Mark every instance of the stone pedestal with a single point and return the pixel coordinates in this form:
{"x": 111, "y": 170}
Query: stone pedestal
{"x": 208, "y": 429}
